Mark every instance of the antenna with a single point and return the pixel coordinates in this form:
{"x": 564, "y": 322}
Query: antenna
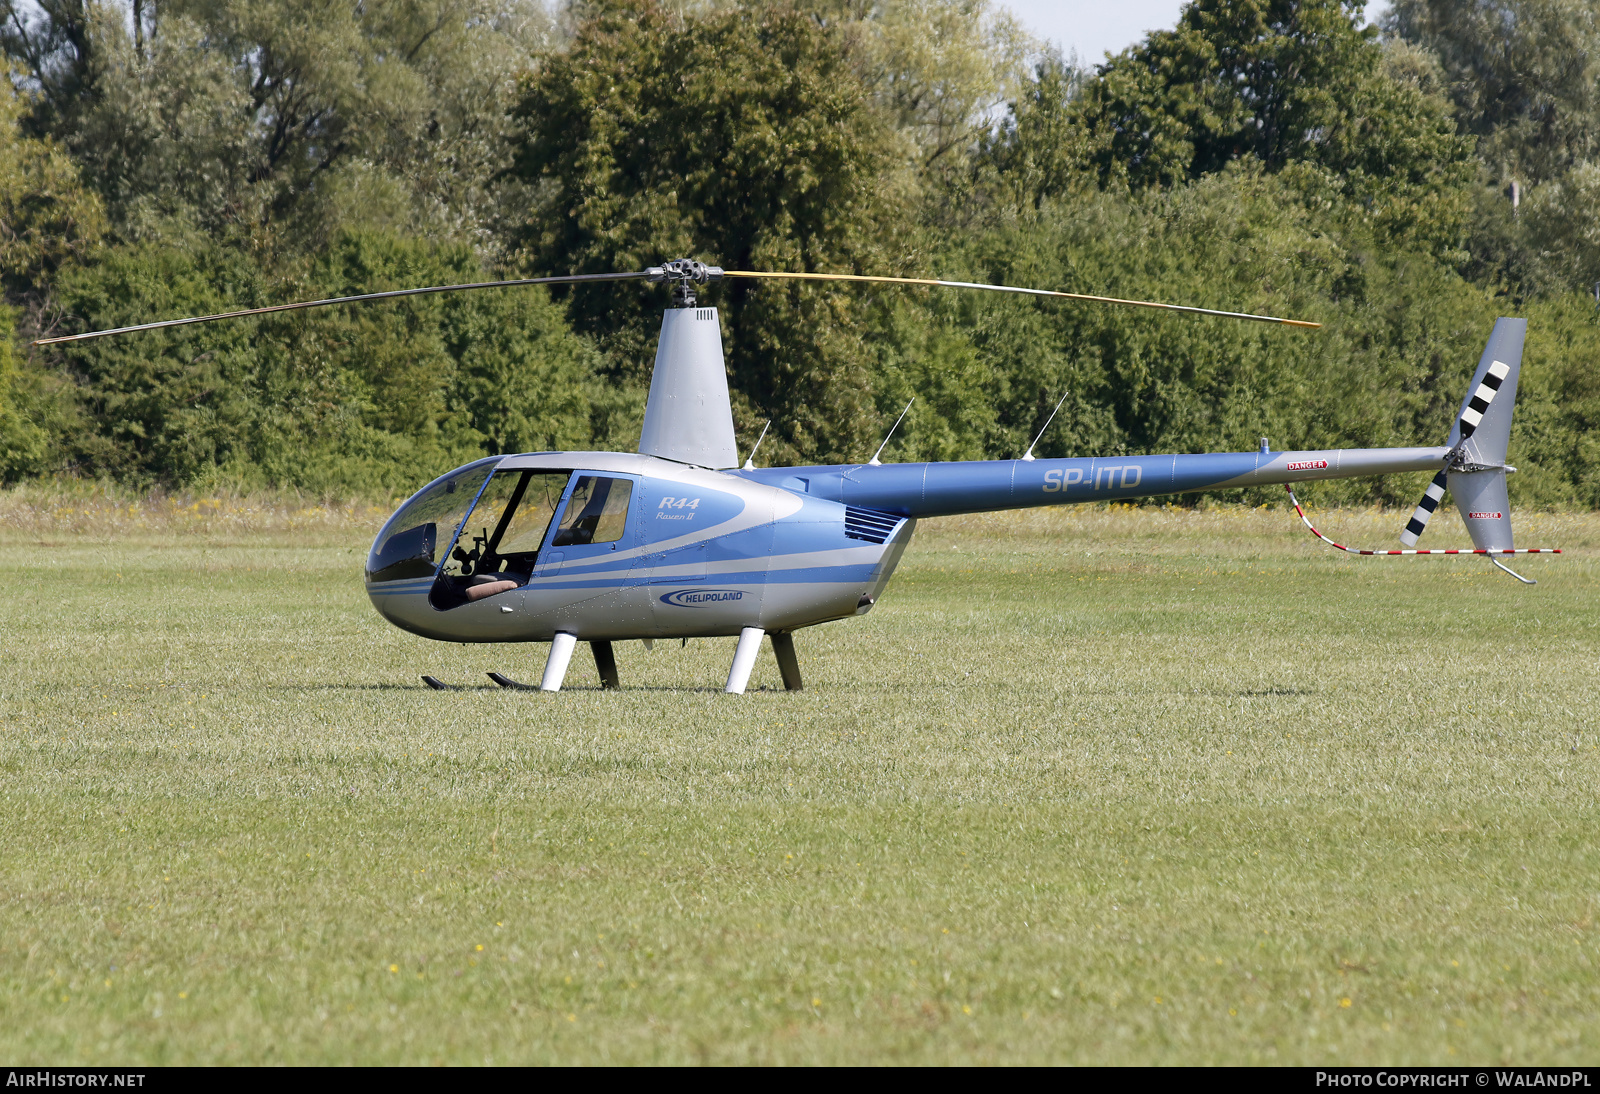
{"x": 875, "y": 462}
{"x": 1028, "y": 455}
{"x": 749, "y": 465}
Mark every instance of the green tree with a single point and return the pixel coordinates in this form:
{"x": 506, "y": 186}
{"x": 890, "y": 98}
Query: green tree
{"x": 1524, "y": 76}
{"x": 47, "y": 216}
{"x": 54, "y": 44}
{"x": 23, "y": 445}
{"x": 1556, "y": 433}
{"x": 746, "y": 137}
{"x": 1524, "y": 79}
{"x": 1041, "y": 149}
{"x": 1285, "y": 82}
{"x": 370, "y": 398}
{"x": 1402, "y": 331}
{"x": 47, "y": 219}
{"x": 941, "y": 67}
{"x": 1562, "y": 218}
{"x": 281, "y": 121}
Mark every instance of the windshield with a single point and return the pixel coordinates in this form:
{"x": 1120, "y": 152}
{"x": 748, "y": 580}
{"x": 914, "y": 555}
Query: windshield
{"x": 407, "y": 548}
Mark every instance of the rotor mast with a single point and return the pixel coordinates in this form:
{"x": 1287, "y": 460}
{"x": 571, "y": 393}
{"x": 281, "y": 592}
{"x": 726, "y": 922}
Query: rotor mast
{"x": 688, "y": 417}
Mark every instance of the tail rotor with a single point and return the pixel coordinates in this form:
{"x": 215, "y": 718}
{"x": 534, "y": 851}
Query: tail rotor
{"x": 1478, "y": 445}
{"x": 1474, "y": 470}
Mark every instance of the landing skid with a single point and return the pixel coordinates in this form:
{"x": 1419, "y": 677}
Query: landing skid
{"x": 506, "y": 682}
{"x": 605, "y": 663}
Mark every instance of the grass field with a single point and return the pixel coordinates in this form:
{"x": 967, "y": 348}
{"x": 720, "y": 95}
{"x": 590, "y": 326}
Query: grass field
{"x": 1086, "y": 786}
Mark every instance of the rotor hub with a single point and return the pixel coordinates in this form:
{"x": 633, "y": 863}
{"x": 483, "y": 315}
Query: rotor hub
{"x": 683, "y": 274}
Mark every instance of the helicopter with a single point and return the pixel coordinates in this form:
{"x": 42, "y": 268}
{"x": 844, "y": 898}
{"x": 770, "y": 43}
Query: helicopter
{"x": 682, "y": 540}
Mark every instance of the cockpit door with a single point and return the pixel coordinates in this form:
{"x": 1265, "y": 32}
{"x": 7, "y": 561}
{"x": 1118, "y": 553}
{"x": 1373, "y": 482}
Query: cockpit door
{"x": 493, "y": 553}
{"x": 586, "y": 572}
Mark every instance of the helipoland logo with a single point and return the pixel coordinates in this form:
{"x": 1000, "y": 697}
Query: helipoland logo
{"x": 696, "y": 598}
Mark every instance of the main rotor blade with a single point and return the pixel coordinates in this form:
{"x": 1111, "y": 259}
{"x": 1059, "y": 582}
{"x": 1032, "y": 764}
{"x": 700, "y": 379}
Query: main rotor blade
{"x": 564, "y": 279}
{"x": 1029, "y": 292}
{"x": 656, "y": 274}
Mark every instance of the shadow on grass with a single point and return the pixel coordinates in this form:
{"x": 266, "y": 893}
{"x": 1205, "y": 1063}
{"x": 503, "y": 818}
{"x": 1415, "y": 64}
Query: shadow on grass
{"x": 476, "y": 688}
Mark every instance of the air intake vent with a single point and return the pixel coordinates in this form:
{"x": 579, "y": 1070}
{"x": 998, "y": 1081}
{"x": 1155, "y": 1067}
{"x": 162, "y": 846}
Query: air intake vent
{"x": 867, "y": 524}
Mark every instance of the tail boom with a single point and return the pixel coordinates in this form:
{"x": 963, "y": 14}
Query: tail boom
{"x": 950, "y": 489}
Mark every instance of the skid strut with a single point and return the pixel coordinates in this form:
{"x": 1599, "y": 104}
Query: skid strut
{"x": 744, "y": 659}
{"x": 605, "y": 661}
{"x": 555, "y": 669}
{"x": 788, "y": 663}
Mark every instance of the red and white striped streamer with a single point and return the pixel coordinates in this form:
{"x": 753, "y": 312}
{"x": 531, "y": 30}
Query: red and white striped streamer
{"x": 1453, "y": 551}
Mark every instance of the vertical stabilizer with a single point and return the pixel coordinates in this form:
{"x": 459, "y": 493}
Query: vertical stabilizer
{"x": 1488, "y": 427}
{"x": 1483, "y": 430}
{"x": 1485, "y": 509}
{"x": 689, "y": 418}
{"x": 1476, "y": 473}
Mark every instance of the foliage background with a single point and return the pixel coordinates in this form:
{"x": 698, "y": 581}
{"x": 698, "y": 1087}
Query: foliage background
{"x": 1403, "y": 184}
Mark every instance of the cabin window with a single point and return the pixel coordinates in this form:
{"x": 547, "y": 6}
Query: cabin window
{"x": 526, "y": 529}
{"x": 498, "y": 545}
{"x": 596, "y": 513}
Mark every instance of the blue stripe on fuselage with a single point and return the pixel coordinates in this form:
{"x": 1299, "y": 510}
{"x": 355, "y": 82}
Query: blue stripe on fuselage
{"x": 804, "y": 575}
{"x": 798, "y": 576}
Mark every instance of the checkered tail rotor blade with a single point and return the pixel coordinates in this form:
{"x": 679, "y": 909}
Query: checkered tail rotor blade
{"x": 1419, "y": 520}
{"x": 1472, "y": 413}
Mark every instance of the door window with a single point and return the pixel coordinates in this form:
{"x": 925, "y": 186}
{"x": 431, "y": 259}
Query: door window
{"x": 596, "y": 513}
{"x": 507, "y": 525}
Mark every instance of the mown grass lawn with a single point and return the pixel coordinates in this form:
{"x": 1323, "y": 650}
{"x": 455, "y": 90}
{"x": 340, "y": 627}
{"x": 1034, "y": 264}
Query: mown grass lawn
{"x": 1098, "y": 787}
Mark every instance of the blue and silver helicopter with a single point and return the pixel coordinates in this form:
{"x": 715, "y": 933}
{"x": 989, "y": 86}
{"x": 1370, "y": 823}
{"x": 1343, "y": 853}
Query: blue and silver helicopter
{"x": 680, "y": 540}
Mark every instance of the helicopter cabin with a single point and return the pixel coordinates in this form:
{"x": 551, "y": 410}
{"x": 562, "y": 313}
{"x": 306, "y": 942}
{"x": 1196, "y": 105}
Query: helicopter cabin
{"x": 505, "y": 523}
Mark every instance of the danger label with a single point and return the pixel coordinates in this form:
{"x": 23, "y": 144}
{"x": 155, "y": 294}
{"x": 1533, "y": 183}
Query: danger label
{"x": 1483, "y": 516}
{"x": 1307, "y": 465}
